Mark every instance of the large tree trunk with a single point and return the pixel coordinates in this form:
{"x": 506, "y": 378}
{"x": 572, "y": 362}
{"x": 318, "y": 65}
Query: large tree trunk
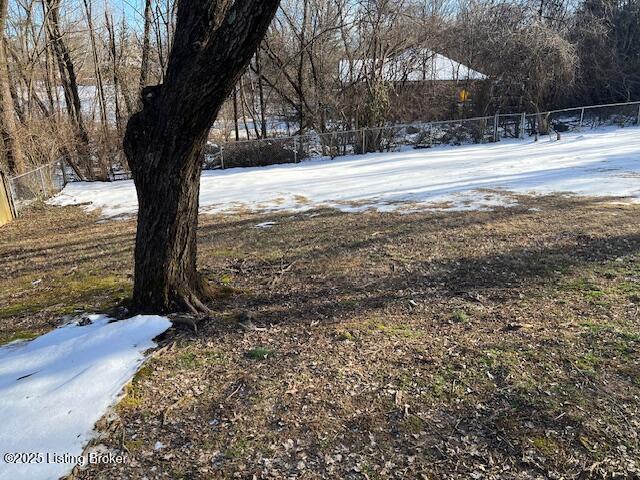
{"x": 165, "y": 262}
{"x": 213, "y": 44}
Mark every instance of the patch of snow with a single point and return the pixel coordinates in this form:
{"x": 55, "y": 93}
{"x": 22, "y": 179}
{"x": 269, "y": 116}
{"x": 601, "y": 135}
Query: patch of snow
{"x": 475, "y": 200}
{"x": 159, "y": 445}
{"x": 265, "y": 225}
{"x": 597, "y": 163}
{"x": 55, "y": 388}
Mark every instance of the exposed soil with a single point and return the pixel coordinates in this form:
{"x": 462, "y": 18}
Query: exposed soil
{"x": 435, "y": 345}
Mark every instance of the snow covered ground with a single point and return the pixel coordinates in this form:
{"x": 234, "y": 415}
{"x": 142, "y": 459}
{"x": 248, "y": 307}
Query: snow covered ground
{"x": 602, "y": 162}
{"x": 55, "y": 388}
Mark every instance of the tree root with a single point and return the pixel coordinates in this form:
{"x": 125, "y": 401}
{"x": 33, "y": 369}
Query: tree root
{"x": 190, "y": 302}
{"x": 193, "y": 300}
{"x": 187, "y": 322}
{"x": 187, "y": 298}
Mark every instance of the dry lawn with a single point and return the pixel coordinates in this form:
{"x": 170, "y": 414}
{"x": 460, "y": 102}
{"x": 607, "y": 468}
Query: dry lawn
{"x": 482, "y": 345}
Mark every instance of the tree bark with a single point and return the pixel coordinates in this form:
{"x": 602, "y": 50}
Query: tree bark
{"x": 9, "y": 139}
{"x": 214, "y": 41}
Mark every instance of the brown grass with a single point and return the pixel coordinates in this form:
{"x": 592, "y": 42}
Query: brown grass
{"x": 498, "y": 344}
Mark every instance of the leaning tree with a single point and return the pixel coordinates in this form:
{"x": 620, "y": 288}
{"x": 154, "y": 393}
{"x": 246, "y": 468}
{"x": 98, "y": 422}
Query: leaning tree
{"x": 213, "y": 43}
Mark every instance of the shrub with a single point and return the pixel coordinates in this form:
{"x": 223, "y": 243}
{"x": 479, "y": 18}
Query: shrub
{"x": 257, "y": 154}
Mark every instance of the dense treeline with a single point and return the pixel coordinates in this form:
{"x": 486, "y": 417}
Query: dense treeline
{"x": 71, "y": 70}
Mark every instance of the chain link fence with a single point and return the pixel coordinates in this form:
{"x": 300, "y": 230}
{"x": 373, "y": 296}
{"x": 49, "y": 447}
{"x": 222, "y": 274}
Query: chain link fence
{"x": 576, "y": 119}
{"x": 48, "y": 180}
{"x": 38, "y": 184}
{"x": 487, "y": 129}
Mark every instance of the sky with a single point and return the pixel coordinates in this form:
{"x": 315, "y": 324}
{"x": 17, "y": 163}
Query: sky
{"x": 133, "y": 10}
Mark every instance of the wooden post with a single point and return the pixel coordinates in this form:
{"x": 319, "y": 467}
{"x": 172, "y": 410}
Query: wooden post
{"x": 495, "y": 128}
{"x": 222, "y": 157}
{"x": 523, "y": 125}
{"x": 581, "y": 118}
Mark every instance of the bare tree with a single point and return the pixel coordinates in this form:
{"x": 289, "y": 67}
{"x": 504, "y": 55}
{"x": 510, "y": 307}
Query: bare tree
{"x": 302, "y": 54}
{"x": 146, "y": 45}
{"x": 529, "y": 61}
{"x": 12, "y": 148}
{"x": 102, "y": 102}
{"x": 607, "y": 35}
{"x": 324, "y": 66}
{"x": 115, "y": 70}
{"x": 68, "y": 78}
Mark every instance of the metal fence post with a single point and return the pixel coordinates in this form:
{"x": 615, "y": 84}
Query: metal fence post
{"x": 222, "y": 157}
{"x": 638, "y": 122}
{"x": 364, "y": 140}
{"x": 334, "y": 145}
{"x": 44, "y": 189}
{"x": 495, "y": 128}
{"x": 430, "y": 135}
{"x": 295, "y": 149}
{"x": 581, "y": 118}
{"x": 14, "y": 197}
{"x": 523, "y": 124}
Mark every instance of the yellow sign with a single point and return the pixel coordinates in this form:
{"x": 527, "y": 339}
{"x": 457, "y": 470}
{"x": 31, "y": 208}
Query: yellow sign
{"x": 6, "y": 215}
{"x": 463, "y": 95}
